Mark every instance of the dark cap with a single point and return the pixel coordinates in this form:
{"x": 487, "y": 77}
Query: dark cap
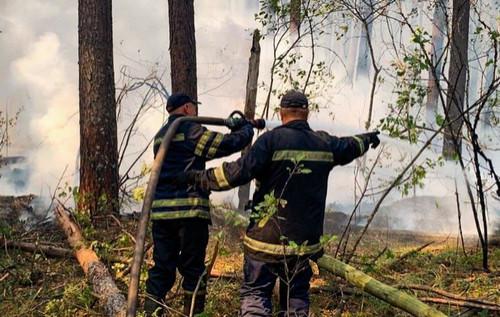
{"x": 294, "y": 99}
{"x": 178, "y": 99}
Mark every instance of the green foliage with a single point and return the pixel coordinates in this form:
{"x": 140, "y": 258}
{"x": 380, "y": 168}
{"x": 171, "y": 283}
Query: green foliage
{"x": 417, "y": 175}
{"x": 327, "y": 239}
{"x": 288, "y": 69}
{"x": 76, "y": 296}
{"x": 267, "y": 208}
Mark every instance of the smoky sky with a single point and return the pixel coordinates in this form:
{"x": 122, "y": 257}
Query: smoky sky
{"x": 39, "y": 76}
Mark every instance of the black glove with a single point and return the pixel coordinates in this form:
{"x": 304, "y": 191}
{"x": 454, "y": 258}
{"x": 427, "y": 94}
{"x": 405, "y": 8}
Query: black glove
{"x": 186, "y": 178}
{"x": 258, "y": 123}
{"x": 235, "y": 124}
{"x": 373, "y": 138}
{"x": 192, "y": 178}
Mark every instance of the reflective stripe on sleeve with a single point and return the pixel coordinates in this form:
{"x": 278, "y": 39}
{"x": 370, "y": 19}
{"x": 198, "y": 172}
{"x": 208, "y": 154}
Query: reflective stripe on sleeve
{"x": 180, "y": 202}
{"x": 220, "y": 177}
{"x": 202, "y": 143}
{"x": 315, "y": 156}
{"x": 279, "y": 249}
{"x": 361, "y": 144}
{"x": 178, "y": 137}
{"x": 215, "y": 145}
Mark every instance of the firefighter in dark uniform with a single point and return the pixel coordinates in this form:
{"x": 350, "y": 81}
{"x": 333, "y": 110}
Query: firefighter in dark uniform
{"x": 180, "y": 214}
{"x": 291, "y": 165}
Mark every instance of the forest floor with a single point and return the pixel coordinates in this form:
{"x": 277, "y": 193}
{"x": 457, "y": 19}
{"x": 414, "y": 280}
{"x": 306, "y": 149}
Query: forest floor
{"x": 34, "y": 284}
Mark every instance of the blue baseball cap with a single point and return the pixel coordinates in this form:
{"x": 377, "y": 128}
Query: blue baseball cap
{"x": 179, "y": 99}
{"x": 294, "y": 99}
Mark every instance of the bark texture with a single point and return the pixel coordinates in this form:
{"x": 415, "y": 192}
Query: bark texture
{"x": 182, "y": 47}
{"x": 98, "y": 192}
{"x": 250, "y": 104}
{"x": 457, "y": 75}
{"x": 97, "y": 274}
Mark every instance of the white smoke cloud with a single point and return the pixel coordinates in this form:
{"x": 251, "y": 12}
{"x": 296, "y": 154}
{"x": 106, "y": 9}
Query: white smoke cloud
{"x": 50, "y": 115}
{"x": 40, "y": 72}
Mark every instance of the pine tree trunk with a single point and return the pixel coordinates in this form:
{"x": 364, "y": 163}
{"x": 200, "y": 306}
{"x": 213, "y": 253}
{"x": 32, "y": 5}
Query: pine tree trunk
{"x": 98, "y": 193}
{"x": 438, "y": 33}
{"x": 182, "y": 47}
{"x": 295, "y": 19}
{"x": 250, "y": 101}
{"x": 457, "y": 74}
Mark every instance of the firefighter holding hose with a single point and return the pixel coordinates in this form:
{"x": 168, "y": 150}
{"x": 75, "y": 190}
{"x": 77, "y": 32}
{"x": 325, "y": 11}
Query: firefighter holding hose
{"x": 180, "y": 213}
{"x": 291, "y": 165}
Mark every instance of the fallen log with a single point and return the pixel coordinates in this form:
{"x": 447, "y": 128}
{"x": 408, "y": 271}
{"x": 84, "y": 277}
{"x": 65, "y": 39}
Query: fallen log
{"x": 48, "y": 250}
{"x": 97, "y": 274}
{"x": 52, "y": 251}
{"x": 391, "y": 295}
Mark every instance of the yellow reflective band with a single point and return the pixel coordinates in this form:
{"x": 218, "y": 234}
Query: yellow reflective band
{"x": 179, "y": 202}
{"x": 315, "y": 156}
{"x": 215, "y": 145}
{"x": 177, "y": 137}
{"x": 192, "y": 213}
{"x": 360, "y": 143}
{"x": 220, "y": 177}
{"x": 279, "y": 249}
{"x": 202, "y": 143}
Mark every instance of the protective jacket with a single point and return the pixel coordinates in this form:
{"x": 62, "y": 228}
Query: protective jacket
{"x": 190, "y": 148}
{"x": 291, "y": 165}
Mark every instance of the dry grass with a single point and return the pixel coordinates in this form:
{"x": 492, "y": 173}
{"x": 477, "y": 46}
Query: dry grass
{"x": 35, "y": 285}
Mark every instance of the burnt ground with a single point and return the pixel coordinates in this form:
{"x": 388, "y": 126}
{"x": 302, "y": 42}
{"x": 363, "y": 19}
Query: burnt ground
{"x": 34, "y": 284}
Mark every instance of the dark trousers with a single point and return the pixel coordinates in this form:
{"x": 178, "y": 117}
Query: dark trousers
{"x": 258, "y": 284}
{"x": 178, "y": 244}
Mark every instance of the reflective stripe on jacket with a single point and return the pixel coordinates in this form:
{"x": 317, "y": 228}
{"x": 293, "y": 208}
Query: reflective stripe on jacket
{"x": 190, "y": 148}
{"x": 291, "y": 165}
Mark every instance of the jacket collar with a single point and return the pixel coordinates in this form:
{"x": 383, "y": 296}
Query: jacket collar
{"x": 172, "y": 117}
{"x": 297, "y": 124}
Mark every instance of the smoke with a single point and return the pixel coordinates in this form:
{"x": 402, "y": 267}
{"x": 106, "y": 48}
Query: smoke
{"x": 40, "y": 72}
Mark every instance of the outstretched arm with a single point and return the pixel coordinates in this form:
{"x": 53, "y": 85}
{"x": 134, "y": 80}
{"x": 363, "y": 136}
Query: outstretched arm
{"x": 346, "y": 149}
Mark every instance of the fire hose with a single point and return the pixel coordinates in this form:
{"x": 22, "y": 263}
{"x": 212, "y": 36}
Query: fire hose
{"x": 150, "y": 191}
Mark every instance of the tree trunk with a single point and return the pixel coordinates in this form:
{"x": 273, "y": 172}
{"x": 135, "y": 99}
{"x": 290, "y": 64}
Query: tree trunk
{"x": 182, "y": 47}
{"x": 438, "y": 33}
{"x": 457, "y": 74}
{"x": 96, "y": 272}
{"x": 363, "y": 59}
{"x": 250, "y": 104}
{"x": 295, "y": 19}
{"x": 380, "y": 290}
{"x": 98, "y": 192}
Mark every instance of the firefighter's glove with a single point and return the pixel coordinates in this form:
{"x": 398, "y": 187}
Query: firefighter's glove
{"x": 373, "y": 138}
{"x": 192, "y": 178}
{"x": 236, "y": 123}
{"x": 258, "y": 123}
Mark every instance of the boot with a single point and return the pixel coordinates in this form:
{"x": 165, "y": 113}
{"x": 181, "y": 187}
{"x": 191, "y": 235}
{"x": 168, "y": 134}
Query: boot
{"x": 153, "y": 307}
{"x": 199, "y": 304}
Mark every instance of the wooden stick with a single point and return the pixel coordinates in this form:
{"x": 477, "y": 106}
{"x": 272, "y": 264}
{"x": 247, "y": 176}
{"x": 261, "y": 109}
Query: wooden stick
{"x": 35, "y": 247}
{"x": 460, "y": 303}
{"x": 97, "y": 274}
{"x": 447, "y": 294}
{"x": 408, "y": 254}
